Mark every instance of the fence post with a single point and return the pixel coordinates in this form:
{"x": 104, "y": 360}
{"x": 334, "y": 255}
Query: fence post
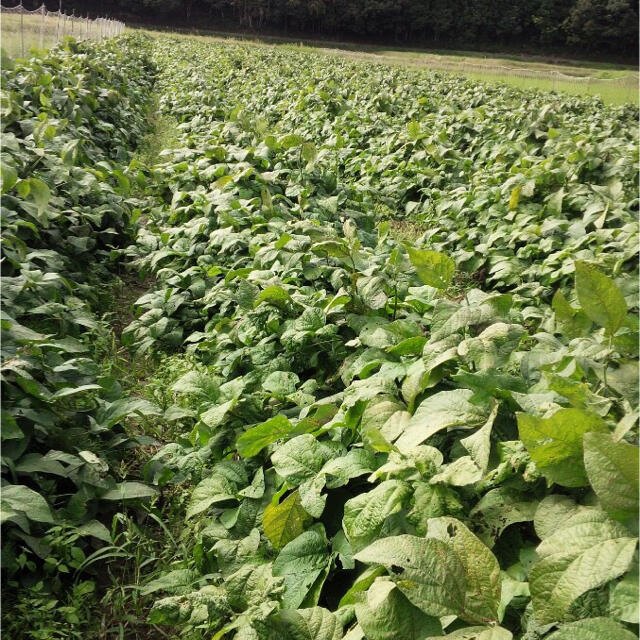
{"x": 21, "y": 30}
{"x": 43, "y": 10}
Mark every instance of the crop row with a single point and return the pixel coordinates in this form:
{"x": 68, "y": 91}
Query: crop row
{"x": 378, "y": 447}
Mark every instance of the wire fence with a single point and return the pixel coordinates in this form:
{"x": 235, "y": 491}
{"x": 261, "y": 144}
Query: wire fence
{"x": 22, "y": 29}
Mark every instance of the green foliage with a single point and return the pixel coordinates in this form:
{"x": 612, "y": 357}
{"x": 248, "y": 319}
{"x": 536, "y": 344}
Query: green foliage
{"x": 360, "y": 437}
{"x": 70, "y": 123}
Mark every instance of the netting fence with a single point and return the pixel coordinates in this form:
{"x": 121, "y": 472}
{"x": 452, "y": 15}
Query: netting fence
{"x": 21, "y": 28}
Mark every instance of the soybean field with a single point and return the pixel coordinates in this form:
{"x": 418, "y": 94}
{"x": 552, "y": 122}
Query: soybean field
{"x": 304, "y": 347}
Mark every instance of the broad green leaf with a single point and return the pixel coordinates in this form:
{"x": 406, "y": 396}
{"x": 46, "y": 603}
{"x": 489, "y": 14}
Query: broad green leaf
{"x": 207, "y": 605}
{"x": 593, "y": 629}
{"x": 311, "y": 497}
{"x": 290, "y": 141}
{"x": 498, "y": 509}
{"x": 130, "y": 491}
{"x": 491, "y": 310}
{"x": 434, "y": 268}
{"x": 281, "y": 383}
{"x": 476, "y": 633}
{"x": 413, "y": 129}
{"x": 284, "y": 522}
{"x": 427, "y": 571}
{"x": 459, "y": 473}
{"x": 252, "y": 441}
{"x": 554, "y": 202}
{"x": 250, "y": 584}
{"x": 215, "y": 489}
{"x": 588, "y": 552}
{"x": 176, "y": 581}
{"x": 40, "y": 193}
{"x": 365, "y": 514}
{"x": 314, "y": 623}
{"x": 95, "y": 529}
{"x": 443, "y": 410}
{"x": 514, "y": 198}
{"x": 356, "y": 462}
{"x": 481, "y": 569}
{"x": 301, "y": 458}
{"x": 309, "y": 152}
{"x": 599, "y": 297}
{"x": 625, "y": 598}
{"x": 478, "y": 444}
{"x": 8, "y": 176}
{"x": 574, "y": 322}
{"x": 274, "y": 295}
{"x": 215, "y": 416}
{"x": 553, "y": 512}
{"x": 555, "y": 443}
{"x": 301, "y": 562}
{"x": 612, "y": 469}
{"x": 387, "y": 614}
{"x": 18, "y": 498}
{"x": 360, "y": 585}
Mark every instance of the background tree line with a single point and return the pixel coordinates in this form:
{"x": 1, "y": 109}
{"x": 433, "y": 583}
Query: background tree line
{"x": 586, "y": 27}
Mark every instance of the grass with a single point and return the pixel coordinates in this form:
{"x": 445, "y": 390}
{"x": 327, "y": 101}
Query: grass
{"x": 23, "y": 33}
{"x": 614, "y": 83}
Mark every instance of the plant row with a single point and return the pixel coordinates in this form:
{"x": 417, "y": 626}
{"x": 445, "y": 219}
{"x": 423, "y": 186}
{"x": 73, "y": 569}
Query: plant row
{"x": 382, "y": 439}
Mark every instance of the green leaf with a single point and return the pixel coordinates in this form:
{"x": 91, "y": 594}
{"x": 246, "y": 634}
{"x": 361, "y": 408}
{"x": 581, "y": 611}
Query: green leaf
{"x": 309, "y": 152}
{"x": 434, "y": 268}
{"x": 291, "y": 140}
{"x": 500, "y": 508}
{"x": 443, "y": 410}
{"x": 482, "y": 571}
{"x": 274, "y": 295}
{"x": 555, "y": 443}
{"x": 301, "y": 458}
{"x": 281, "y": 383}
{"x": 365, "y": 514}
{"x": 599, "y": 297}
{"x": 19, "y": 498}
{"x": 612, "y": 469}
{"x": 314, "y": 623}
{"x": 589, "y": 551}
{"x": 413, "y": 129}
{"x": 207, "y": 605}
{"x": 284, "y": 522}
{"x": 252, "y": 441}
{"x": 217, "y": 488}
{"x": 593, "y": 629}
{"x": 215, "y": 416}
{"x": 301, "y": 563}
{"x": 95, "y": 529}
{"x": 387, "y": 614}
{"x": 554, "y": 202}
{"x": 574, "y": 322}
{"x": 40, "y": 193}
{"x": 8, "y": 176}
{"x": 130, "y": 491}
{"x": 470, "y": 315}
{"x": 427, "y": 571}
{"x": 174, "y": 581}
{"x": 625, "y": 598}
{"x": 476, "y": 633}
{"x": 357, "y": 462}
